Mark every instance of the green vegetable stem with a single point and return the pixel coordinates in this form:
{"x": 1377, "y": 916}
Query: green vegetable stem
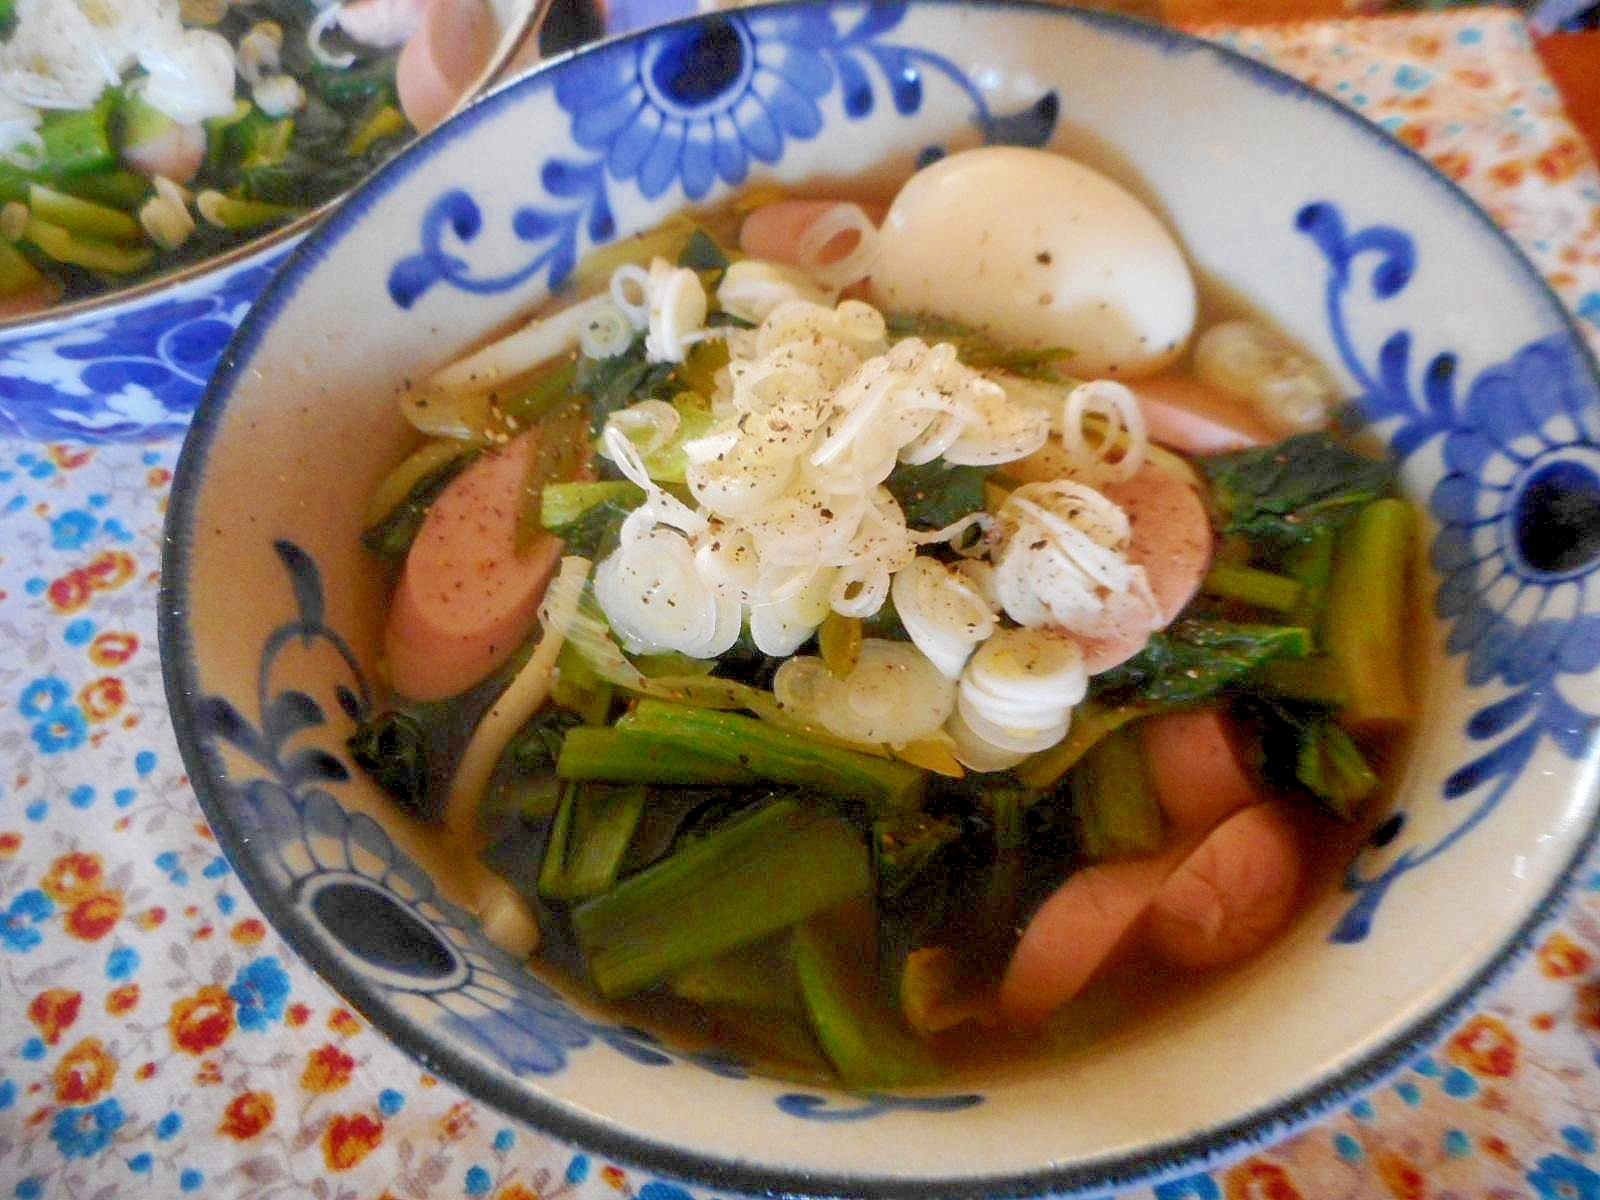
{"x": 80, "y": 216}
{"x": 1367, "y": 615}
{"x": 589, "y": 839}
{"x": 1113, "y": 802}
{"x": 749, "y": 879}
{"x": 768, "y": 752}
{"x": 864, "y": 1038}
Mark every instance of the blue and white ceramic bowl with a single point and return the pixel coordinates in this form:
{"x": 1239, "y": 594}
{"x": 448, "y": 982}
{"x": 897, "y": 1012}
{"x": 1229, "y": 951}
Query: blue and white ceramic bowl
{"x": 1440, "y": 330}
{"x": 131, "y": 364}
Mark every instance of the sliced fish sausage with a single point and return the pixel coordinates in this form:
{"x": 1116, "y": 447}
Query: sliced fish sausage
{"x": 1196, "y": 418}
{"x": 1195, "y": 769}
{"x": 466, "y": 599}
{"x": 1171, "y": 539}
{"x": 1076, "y": 930}
{"x": 1233, "y": 894}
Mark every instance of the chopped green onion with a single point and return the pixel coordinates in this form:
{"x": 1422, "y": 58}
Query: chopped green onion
{"x": 82, "y": 216}
{"x": 230, "y": 212}
{"x": 89, "y": 253}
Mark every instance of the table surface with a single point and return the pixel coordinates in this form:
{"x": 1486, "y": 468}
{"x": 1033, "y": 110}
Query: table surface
{"x": 156, "y": 1038}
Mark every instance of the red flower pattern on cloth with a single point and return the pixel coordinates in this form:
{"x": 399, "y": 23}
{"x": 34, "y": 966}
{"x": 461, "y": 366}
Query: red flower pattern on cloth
{"x": 158, "y": 1038}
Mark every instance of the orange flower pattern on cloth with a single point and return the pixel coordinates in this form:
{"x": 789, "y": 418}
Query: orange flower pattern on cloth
{"x": 1485, "y": 1045}
{"x": 328, "y": 1069}
{"x": 157, "y": 1038}
{"x": 53, "y": 1011}
{"x": 90, "y": 920}
{"x": 73, "y": 877}
{"x": 202, "y": 1021}
{"x": 85, "y": 1073}
{"x": 349, "y": 1139}
{"x": 247, "y": 1115}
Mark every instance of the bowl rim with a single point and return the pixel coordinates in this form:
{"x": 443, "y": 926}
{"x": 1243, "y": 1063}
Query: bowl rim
{"x": 1267, "y": 1124}
{"x": 521, "y": 32}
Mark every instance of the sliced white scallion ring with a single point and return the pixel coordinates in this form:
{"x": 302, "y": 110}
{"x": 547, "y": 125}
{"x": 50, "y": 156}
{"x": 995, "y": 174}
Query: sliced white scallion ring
{"x": 324, "y": 21}
{"x": 1013, "y": 739}
{"x": 783, "y": 621}
{"x": 840, "y": 247}
{"x": 1064, "y": 551}
{"x": 656, "y": 601}
{"x": 1033, "y": 666}
{"x": 606, "y": 330}
{"x": 650, "y": 425}
{"x": 894, "y": 695}
{"x": 944, "y": 614}
{"x": 1253, "y": 362}
{"x": 859, "y": 591}
{"x": 677, "y": 312}
{"x": 751, "y": 289}
{"x": 630, "y": 291}
{"x": 660, "y": 506}
{"x": 974, "y": 753}
{"x": 538, "y": 341}
{"x": 1120, "y": 434}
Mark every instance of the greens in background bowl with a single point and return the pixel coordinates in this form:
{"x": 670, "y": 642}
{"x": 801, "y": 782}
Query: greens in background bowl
{"x": 1464, "y": 366}
{"x": 157, "y": 161}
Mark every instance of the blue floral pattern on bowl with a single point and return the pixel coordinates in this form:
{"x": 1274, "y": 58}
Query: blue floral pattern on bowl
{"x": 692, "y": 106}
{"x": 134, "y": 373}
{"x": 1519, "y": 547}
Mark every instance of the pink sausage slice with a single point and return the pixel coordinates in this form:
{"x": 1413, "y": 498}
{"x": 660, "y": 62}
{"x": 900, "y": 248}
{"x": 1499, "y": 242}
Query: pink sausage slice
{"x": 1195, "y": 768}
{"x": 1195, "y": 418}
{"x": 444, "y": 57}
{"x": 466, "y": 600}
{"x": 773, "y": 231}
{"x": 1171, "y": 540}
{"x": 1076, "y": 930}
{"x": 1234, "y": 894}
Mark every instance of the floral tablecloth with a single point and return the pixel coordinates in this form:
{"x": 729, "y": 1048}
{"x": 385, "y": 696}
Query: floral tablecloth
{"x": 156, "y": 1038}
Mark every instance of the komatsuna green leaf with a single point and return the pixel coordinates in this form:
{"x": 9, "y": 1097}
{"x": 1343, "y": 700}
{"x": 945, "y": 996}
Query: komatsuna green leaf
{"x": 937, "y": 494}
{"x": 1288, "y": 492}
{"x": 1193, "y": 660}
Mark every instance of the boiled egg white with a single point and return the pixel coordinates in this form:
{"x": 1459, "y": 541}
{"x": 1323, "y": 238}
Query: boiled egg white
{"x": 1038, "y": 251}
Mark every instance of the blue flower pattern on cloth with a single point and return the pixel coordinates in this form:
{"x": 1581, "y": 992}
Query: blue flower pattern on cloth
{"x": 688, "y": 108}
{"x": 1519, "y": 545}
{"x": 260, "y": 991}
{"x": 84, "y": 1132}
